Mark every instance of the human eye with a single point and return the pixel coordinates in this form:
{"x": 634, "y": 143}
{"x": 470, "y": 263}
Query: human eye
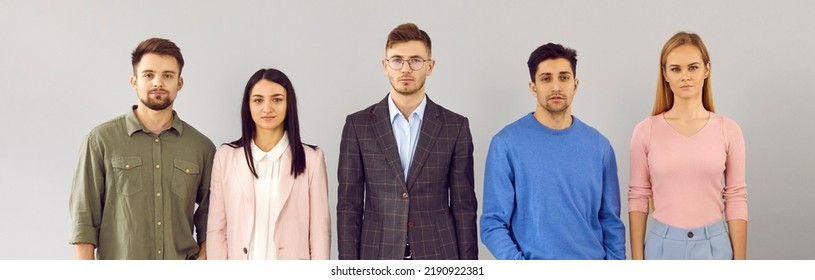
{"x": 565, "y": 78}
{"x": 256, "y": 100}
{"x": 148, "y": 75}
{"x": 693, "y": 67}
{"x": 396, "y": 60}
{"x": 545, "y": 79}
{"x": 168, "y": 76}
{"x": 674, "y": 69}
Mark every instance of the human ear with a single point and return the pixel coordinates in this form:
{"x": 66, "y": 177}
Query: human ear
{"x": 533, "y": 88}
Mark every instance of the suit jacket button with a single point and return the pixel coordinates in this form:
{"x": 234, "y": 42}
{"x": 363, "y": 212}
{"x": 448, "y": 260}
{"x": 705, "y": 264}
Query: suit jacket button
{"x": 245, "y": 251}
{"x": 410, "y": 224}
{"x": 404, "y": 195}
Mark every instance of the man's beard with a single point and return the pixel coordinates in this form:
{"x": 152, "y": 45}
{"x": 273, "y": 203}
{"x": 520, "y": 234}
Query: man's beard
{"x": 556, "y": 110}
{"x": 157, "y": 104}
{"x": 407, "y": 91}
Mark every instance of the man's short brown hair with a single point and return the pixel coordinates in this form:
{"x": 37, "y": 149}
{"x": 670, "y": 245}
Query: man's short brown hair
{"x": 408, "y": 32}
{"x": 158, "y": 46}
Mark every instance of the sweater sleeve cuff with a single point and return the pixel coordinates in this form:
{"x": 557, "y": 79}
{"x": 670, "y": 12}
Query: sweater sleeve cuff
{"x": 735, "y": 213}
{"x": 640, "y": 205}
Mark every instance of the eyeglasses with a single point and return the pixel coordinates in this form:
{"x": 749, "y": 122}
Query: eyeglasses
{"x": 415, "y": 63}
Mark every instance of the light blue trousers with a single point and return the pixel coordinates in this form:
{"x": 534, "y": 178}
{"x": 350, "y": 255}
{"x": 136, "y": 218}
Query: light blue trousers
{"x": 710, "y": 242}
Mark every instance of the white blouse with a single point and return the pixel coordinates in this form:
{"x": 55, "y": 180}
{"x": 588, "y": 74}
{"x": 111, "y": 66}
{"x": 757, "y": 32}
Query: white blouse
{"x": 267, "y": 187}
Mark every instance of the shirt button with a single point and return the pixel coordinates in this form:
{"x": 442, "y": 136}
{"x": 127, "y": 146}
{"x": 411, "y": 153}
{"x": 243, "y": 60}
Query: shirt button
{"x": 410, "y": 224}
{"x": 158, "y": 194}
{"x": 127, "y": 166}
{"x": 159, "y": 252}
{"x": 405, "y": 195}
{"x": 157, "y": 166}
{"x": 245, "y": 251}
{"x": 159, "y": 223}
{"x": 156, "y": 140}
{"x": 690, "y": 234}
{"x": 187, "y": 170}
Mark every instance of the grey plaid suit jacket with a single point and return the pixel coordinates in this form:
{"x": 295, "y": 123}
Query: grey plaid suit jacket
{"x": 436, "y": 208}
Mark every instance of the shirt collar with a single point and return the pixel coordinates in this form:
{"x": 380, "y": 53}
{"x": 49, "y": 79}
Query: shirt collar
{"x": 274, "y": 154}
{"x": 132, "y": 123}
{"x": 394, "y": 112}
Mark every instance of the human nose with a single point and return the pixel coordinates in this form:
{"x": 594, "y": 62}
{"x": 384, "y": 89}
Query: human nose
{"x": 266, "y": 107}
{"x": 556, "y": 87}
{"x": 406, "y": 67}
{"x": 157, "y": 82}
{"x": 685, "y": 76}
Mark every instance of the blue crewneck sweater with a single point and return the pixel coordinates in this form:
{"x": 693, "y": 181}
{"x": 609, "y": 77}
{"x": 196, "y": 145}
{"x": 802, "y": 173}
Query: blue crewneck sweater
{"x": 551, "y": 194}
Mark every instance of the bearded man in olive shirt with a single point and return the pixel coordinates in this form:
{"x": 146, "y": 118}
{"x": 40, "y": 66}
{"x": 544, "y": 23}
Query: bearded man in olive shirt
{"x": 141, "y": 175}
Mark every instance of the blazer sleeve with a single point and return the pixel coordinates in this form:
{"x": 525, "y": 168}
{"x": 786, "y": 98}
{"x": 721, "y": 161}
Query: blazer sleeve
{"x": 350, "y": 193}
{"x": 320, "y": 218}
{"x": 216, "y": 230}
{"x": 463, "y": 202}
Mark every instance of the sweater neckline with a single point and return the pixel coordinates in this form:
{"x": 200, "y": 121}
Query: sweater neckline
{"x": 535, "y": 123}
{"x": 664, "y": 122}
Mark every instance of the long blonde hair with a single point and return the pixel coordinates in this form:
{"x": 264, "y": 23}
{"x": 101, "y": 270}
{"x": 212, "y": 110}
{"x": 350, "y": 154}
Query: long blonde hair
{"x": 665, "y": 96}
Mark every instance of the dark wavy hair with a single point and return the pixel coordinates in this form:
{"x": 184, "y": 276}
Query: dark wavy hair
{"x": 291, "y": 124}
{"x": 551, "y": 51}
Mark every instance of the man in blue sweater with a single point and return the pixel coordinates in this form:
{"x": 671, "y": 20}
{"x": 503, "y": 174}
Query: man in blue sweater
{"x": 550, "y": 186}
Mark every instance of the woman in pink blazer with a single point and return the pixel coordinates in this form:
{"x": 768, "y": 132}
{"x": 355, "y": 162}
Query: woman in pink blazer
{"x": 269, "y": 193}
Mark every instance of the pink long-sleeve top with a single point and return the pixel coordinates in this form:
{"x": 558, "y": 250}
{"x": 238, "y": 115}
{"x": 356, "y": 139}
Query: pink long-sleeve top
{"x": 684, "y": 173}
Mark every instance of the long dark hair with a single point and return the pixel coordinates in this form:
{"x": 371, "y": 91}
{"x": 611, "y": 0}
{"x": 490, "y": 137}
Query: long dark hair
{"x": 291, "y": 124}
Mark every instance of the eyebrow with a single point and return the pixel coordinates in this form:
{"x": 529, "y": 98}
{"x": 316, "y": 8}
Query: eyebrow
{"x": 676, "y": 65}
{"x": 560, "y": 73}
{"x": 273, "y": 95}
{"x": 165, "y": 72}
{"x": 402, "y": 57}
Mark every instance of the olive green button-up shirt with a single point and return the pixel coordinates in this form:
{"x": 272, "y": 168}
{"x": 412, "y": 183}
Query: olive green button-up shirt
{"x": 134, "y": 194}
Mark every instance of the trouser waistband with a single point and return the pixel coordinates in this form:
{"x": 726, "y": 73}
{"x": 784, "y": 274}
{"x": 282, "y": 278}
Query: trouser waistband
{"x": 699, "y": 233}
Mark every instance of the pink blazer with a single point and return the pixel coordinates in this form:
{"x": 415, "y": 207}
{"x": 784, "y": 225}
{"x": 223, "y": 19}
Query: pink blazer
{"x": 303, "y": 228}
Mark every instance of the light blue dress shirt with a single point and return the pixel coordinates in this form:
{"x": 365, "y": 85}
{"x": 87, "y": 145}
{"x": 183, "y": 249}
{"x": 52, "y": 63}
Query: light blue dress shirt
{"x": 406, "y": 132}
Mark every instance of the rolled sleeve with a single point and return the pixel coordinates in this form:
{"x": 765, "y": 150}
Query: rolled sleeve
{"x": 87, "y": 191}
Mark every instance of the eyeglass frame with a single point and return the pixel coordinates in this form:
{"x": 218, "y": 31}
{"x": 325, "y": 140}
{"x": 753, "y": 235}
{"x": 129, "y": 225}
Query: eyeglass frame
{"x": 402, "y": 65}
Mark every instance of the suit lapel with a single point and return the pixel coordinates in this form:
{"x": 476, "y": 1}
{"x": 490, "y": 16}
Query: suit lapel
{"x": 245, "y": 184}
{"x": 381, "y": 122}
{"x": 431, "y": 125}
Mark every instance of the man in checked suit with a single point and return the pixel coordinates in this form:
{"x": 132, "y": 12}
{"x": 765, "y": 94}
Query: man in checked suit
{"x": 406, "y": 188}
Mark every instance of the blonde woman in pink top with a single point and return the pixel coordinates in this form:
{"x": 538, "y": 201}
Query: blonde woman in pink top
{"x": 691, "y": 162}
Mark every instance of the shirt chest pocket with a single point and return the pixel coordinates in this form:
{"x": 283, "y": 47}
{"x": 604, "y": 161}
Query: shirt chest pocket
{"x": 186, "y": 176}
{"x": 128, "y": 174}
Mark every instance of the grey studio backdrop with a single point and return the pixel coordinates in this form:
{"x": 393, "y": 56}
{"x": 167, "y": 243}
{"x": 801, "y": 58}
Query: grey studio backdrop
{"x": 64, "y": 67}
